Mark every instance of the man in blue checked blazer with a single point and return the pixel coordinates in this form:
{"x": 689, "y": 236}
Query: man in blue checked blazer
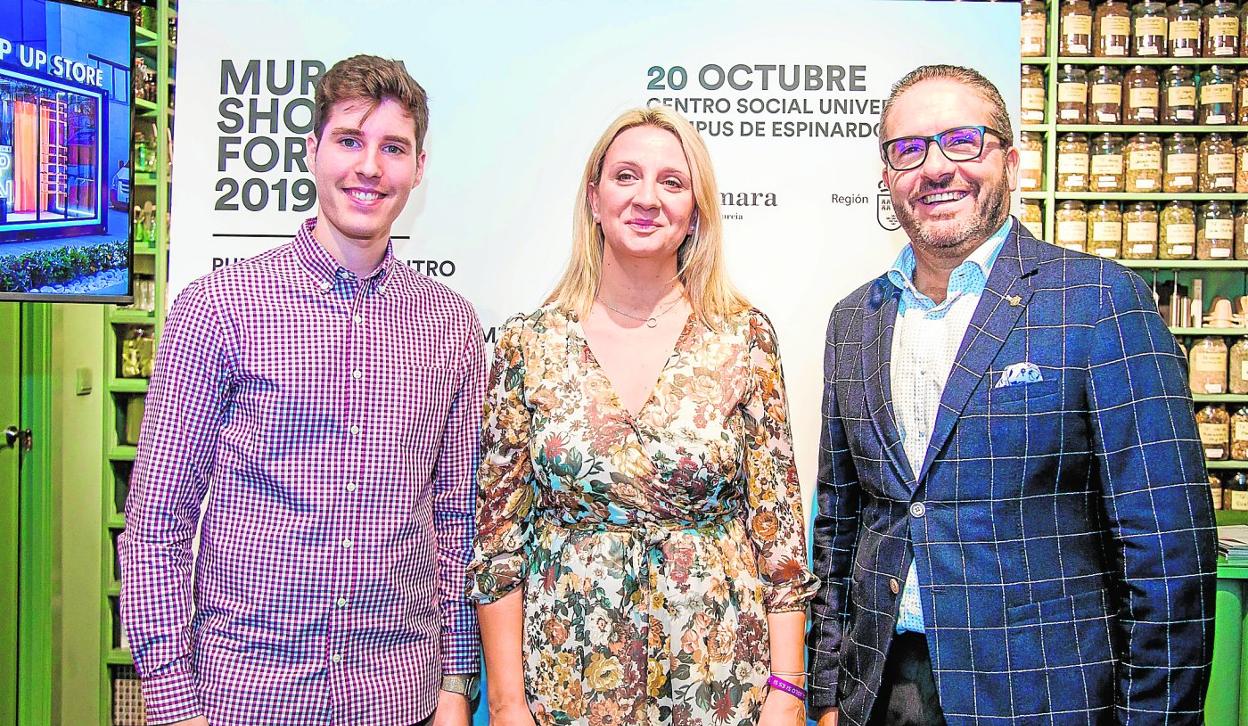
{"x": 1015, "y": 525}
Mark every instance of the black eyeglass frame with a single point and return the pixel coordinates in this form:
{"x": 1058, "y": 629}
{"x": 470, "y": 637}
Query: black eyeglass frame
{"x": 927, "y": 143}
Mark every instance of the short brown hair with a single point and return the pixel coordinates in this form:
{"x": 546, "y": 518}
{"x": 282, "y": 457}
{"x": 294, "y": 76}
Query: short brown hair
{"x": 373, "y": 79}
{"x": 967, "y": 76}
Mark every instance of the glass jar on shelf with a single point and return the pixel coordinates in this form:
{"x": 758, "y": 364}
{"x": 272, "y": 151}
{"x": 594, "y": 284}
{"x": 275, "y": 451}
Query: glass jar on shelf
{"x": 1215, "y": 487}
{"x": 1177, "y": 226}
{"x": 1215, "y": 232}
{"x": 1241, "y": 231}
{"x": 1105, "y": 230}
{"x": 1033, "y": 95}
{"x": 1072, "y": 226}
{"x": 1235, "y": 492}
{"x": 1144, "y": 169}
{"x": 1111, "y": 26}
{"x": 1217, "y": 95}
{"x": 1031, "y": 215}
{"x": 1075, "y": 28}
{"x": 1208, "y": 365}
{"x": 1034, "y": 30}
{"x": 1072, "y": 95}
{"x": 1142, "y": 102}
{"x": 1221, "y": 29}
{"x": 1108, "y": 170}
{"x": 1139, "y": 230}
{"x": 1106, "y": 96}
{"x": 1149, "y": 29}
{"x": 1241, "y": 165}
{"x": 1214, "y": 425}
{"x": 1217, "y": 163}
{"x": 1185, "y": 29}
{"x": 137, "y": 354}
{"x": 1238, "y": 373}
{"x": 1182, "y": 164}
{"x": 1073, "y": 163}
{"x": 1241, "y": 97}
{"x": 1178, "y": 100}
{"x": 1030, "y": 161}
{"x": 1239, "y": 432}
{"x": 1243, "y": 30}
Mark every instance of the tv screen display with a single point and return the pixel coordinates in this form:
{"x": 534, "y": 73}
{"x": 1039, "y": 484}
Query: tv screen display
{"x": 66, "y": 114}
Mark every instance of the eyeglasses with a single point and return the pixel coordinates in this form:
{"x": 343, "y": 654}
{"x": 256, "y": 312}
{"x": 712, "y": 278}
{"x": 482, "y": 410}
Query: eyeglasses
{"x": 957, "y": 144}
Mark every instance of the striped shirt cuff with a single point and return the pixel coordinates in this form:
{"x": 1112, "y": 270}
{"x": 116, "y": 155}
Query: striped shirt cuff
{"x": 171, "y": 696}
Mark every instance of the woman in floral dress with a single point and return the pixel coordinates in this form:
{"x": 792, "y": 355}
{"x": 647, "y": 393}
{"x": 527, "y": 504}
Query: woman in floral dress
{"x": 640, "y": 556}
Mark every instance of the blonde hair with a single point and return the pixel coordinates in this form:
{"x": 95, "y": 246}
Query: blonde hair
{"x": 700, "y": 259}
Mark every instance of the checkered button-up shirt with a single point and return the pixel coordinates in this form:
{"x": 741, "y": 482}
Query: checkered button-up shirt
{"x": 926, "y": 337}
{"x": 332, "y": 423}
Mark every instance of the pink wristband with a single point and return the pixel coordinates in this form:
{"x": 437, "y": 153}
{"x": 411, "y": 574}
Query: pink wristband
{"x": 792, "y": 689}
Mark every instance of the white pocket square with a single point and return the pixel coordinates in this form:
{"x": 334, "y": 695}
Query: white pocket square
{"x": 1019, "y": 374}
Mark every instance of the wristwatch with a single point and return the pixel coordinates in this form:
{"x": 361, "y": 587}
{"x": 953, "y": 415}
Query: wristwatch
{"x": 467, "y": 685}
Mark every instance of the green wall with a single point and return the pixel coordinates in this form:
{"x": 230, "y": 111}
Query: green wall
{"x": 77, "y": 475}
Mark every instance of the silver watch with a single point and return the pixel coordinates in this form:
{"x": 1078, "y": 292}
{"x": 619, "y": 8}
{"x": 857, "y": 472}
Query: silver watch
{"x": 467, "y": 685}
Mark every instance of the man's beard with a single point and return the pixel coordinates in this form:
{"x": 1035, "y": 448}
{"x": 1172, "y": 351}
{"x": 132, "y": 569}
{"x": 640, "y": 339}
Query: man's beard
{"x": 984, "y": 220}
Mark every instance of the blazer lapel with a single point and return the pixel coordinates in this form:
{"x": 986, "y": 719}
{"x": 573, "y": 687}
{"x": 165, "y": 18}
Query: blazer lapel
{"x": 1005, "y": 296}
{"x": 877, "y": 344}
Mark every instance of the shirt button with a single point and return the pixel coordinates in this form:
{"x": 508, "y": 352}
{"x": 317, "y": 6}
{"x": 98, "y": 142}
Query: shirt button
{"x": 326, "y": 286}
{"x": 341, "y": 602}
{"x": 355, "y": 430}
{"x": 359, "y": 319}
{"x": 381, "y": 288}
{"x": 894, "y": 586}
{"x": 336, "y": 657}
{"x": 917, "y": 509}
{"x": 346, "y": 543}
{"x": 357, "y": 374}
{"x": 352, "y": 486}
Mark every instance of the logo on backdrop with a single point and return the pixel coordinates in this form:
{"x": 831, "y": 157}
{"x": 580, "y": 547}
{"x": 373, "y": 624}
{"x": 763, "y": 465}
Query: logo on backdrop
{"x": 734, "y": 205}
{"x": 884, "y": 213}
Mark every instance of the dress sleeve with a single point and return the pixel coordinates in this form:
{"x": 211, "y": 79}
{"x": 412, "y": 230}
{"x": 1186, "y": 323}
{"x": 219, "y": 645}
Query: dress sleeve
{"x": 773, "y": 498}
{"x": 505, "y": 499}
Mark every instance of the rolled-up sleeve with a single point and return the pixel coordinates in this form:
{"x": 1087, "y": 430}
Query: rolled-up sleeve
{"x": 505, "y": 499}
{"x": 773, "y": 497}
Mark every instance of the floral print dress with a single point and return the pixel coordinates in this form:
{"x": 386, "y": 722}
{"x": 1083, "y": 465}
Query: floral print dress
{"x": 651, "y": 547}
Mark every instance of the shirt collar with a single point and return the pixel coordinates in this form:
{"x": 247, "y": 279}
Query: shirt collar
{"x": 970, "y": 277}
{"x": 322, "y": 266}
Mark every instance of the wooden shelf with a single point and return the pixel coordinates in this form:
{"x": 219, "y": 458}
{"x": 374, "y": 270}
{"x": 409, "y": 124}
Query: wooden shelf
{"x": 1209, "y": 331}
{"x": 1220, "y": 397}
{"x": 1150, "y": 61}
{"x": 121, "y": 452}
{"x": 1185, "y": 264}
{"x": 1159, "y": 129}
{"x": 1159, "y": 197}
{"x": 131, "y": 317}
{"x": 127, "y": 385}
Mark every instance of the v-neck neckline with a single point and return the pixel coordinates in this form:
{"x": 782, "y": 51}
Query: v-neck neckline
{"x": 615, "y": 400}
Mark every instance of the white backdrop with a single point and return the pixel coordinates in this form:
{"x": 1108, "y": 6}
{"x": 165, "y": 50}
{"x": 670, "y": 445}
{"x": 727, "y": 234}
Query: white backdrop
{"x": 519, "y": 92}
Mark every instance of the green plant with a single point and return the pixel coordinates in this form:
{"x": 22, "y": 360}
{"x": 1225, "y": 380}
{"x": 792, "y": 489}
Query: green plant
{"x": 32, "y": 270}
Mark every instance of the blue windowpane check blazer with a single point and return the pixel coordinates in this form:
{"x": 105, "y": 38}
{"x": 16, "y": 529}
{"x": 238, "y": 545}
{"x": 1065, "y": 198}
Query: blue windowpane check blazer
{"x": 1061, "y": 521}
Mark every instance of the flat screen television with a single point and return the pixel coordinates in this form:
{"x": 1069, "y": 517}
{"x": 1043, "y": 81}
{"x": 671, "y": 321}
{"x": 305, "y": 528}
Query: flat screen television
{"x": 66, "y": 119}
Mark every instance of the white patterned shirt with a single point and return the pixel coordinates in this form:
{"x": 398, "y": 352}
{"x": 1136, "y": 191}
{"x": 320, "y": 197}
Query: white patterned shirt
{"x": 926, "y": 338}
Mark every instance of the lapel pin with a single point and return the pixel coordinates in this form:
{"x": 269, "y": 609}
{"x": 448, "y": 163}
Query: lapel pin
{"x": 1015, "y": 300}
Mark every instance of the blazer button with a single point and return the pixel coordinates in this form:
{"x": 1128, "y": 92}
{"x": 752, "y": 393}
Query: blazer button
{"x": 894, "y": 586}
{"x": 917, "y": 510}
